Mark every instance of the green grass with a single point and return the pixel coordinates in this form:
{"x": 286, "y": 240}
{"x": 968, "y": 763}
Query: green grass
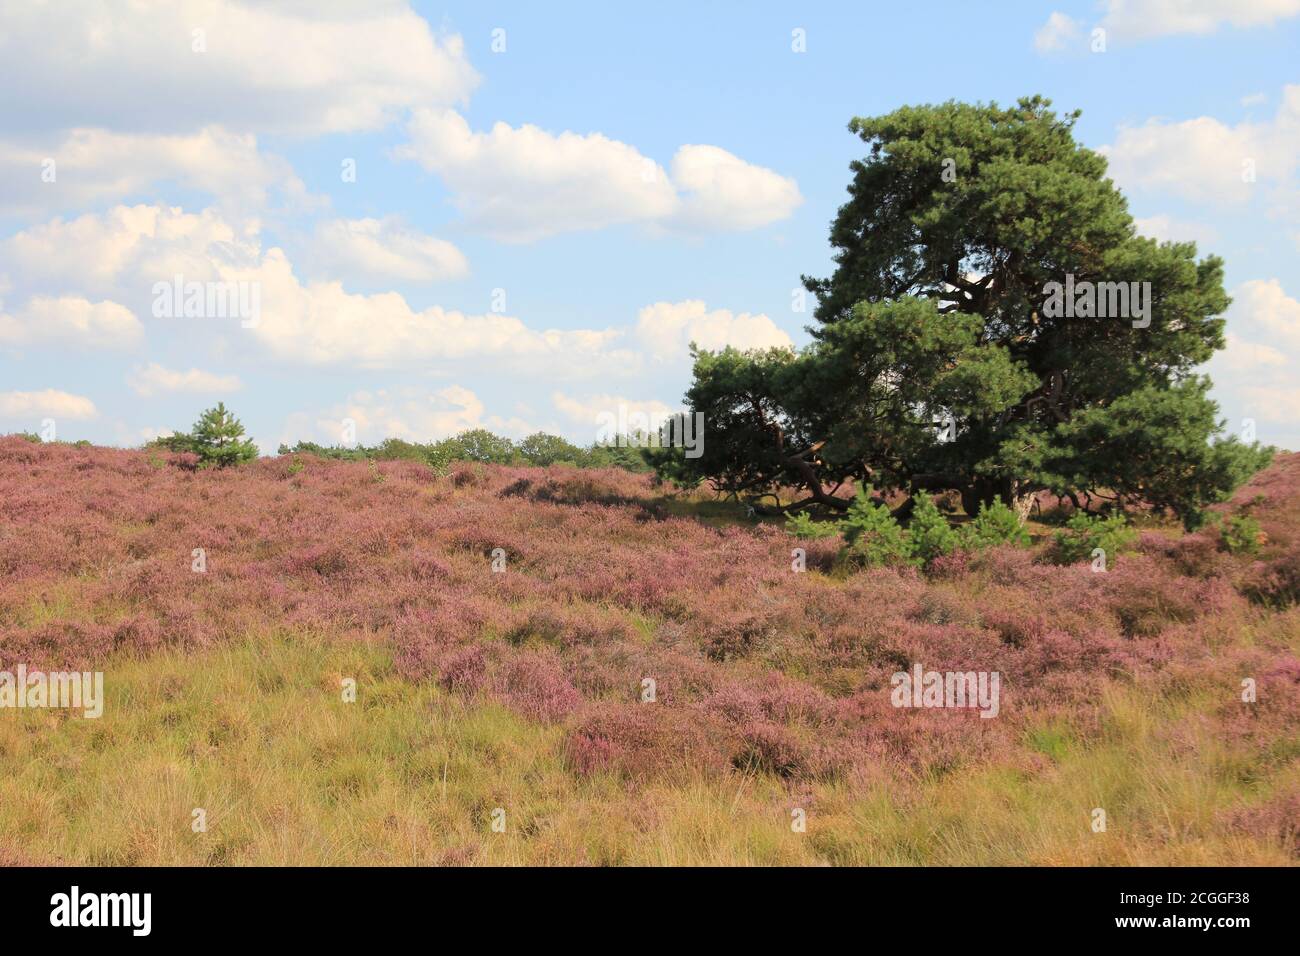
{"x": 258, "y": 735}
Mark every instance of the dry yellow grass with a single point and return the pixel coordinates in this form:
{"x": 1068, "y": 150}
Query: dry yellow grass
{"x": 259, "y": 737}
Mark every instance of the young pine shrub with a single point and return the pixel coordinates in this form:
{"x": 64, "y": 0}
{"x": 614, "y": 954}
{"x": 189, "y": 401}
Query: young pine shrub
{"x": 873, "y": 536}
{"x": 801, "y": 525}
{"x": 995, "y": 524}
{"x": 931, "y": 535}
{"x": 1083, "y": 534}
{"x": 218, "y": 439}
{"x": 1241, "y": 534}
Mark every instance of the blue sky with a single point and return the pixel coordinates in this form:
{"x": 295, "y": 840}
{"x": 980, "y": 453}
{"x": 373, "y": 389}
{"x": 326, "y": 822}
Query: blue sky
{"x": 535, "y": 233}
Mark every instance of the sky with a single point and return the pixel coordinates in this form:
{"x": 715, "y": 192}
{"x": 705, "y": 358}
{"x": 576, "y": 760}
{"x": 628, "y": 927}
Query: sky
{"x": 420, "y": 218}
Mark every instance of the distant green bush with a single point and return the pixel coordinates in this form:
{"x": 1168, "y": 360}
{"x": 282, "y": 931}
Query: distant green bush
{"x": 930, "y": 534}
{"x": 1241, "y": 534}
{"x": 801, "y": 525}
{"x": 994, "y": 525}
{"x": 873, "y": 536}
{"x": 217, "y": 438}
{"x": 1083, "y": 534}
{"x": 484, "y": 447}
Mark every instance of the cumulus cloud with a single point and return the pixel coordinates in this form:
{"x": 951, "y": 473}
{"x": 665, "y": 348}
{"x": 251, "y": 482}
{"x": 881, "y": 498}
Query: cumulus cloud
{"x": 1257, "y": 370}
{"x": 94, "y": 165}
{"x": 49, "y": 403}
{"x": 70, "y": 321}
{"x": 1059, "y": 32}
{"x": 1206, "y": 160}
{"x": 383, "y": 249}
{"x": 411, "y": 413}
{"x": 521, "y": 184}
{"x": 125, "y": 248}
{"x": 1141, "y": 19}
{"x": 293, "y": 67}
{"x": 128, "y": 249}
{"x": 321, "y": 323}
{"x": 665, "y": 329}
{"x": 721, "y": 192}
{"x": 1261, "y": 309}
{"x": 1243, "y": 356}
{"x": 1167, "y": 229}
{"x": 1131, "y": 20}
{"x": 154, "y": 379}
{"x": 587, "y": 415}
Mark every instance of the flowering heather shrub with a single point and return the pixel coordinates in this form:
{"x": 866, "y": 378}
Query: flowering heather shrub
{"x": 756, "y": 666}
{"x": 771, "y": 748}
{"x": 1273, "y": 498}
{"x": 464, "y": 669}
{"x": 534, "y": 684}
{"x": 1275, "y": 583}
{"x": 648, "y": 742}
{"x": 952, "y": 565}
{"x": 1276, "y": 819}
{"x": 1196, "y": 555}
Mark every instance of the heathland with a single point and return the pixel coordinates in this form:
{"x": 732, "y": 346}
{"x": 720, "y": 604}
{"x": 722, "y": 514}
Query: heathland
{"x": 326, "y": 662}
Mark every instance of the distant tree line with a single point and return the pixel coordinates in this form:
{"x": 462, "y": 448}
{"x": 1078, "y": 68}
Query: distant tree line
{"x": 480, "y": 445}
{"x": 217, "y": 438}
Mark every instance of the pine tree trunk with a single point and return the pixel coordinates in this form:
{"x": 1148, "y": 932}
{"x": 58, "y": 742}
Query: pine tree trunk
{"x": 984, "y": 491}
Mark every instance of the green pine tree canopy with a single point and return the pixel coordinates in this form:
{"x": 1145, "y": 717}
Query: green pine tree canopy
{"x": 935, "y": 363}
{"x": 218, "y": 439}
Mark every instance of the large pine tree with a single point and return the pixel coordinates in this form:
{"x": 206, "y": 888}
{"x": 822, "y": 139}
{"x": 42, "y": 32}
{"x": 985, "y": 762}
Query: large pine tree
{"x": 939, "y": 361}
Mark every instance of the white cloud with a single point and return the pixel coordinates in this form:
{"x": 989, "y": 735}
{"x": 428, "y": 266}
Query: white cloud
{"x": 292, "y": 67}
{"x": 71, "y": 320}
{"x": 321, "y": 323}
{"x": 154, "y": 378}
{"x": 380, "y": 249}
{"x": 1206, "y": 160}
{"x": 721, "y": 192}
{"x": 1243, "y": 356}
{"x": 124, "y": 248}
{"x": 94, "y": 165}
{"x": 1140, "y": 19}
{"x": 1275, "y": 404}
{"x": 521, "y": 184}
{"x": 410, "y": 413}
{"x": 1261, "y": 309}
{"x": 665, "y": 329}
{"x": 1256, "y": 374}
{"x": 1057, "y": 33}
{"x": 49, "y": 403}
{"x": 587, "y": 414}
{"x": 1253, "y": 99}
{"x": 1167, "y": 229}
{"x": 128, "y": 249}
